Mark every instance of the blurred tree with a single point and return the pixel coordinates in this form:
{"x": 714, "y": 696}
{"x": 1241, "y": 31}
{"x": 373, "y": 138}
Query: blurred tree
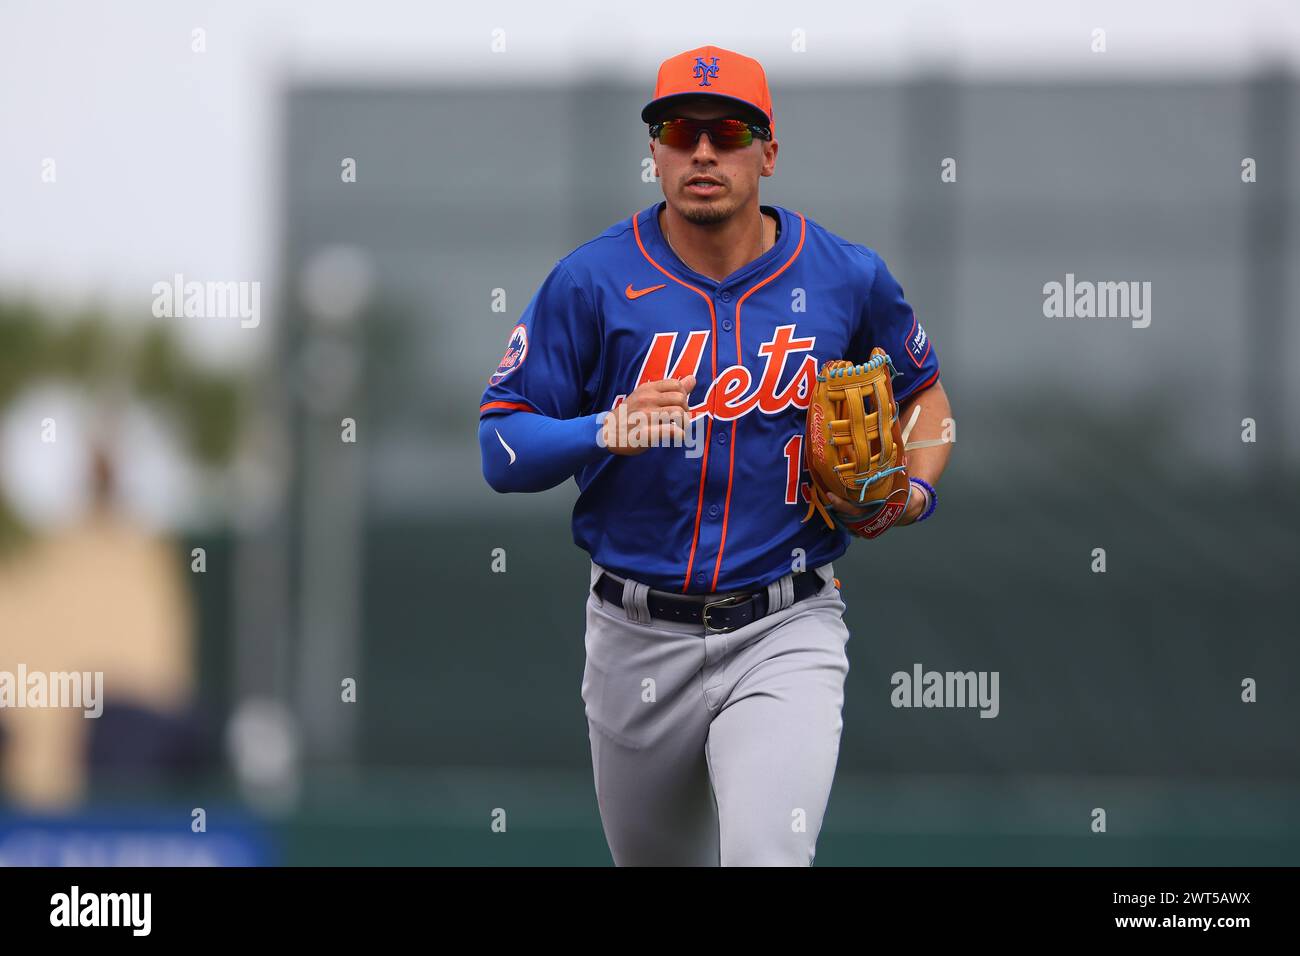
{"x": 101, "y": 356}
{"x": 23, "y": 346}
{"x": 206, "y": 404}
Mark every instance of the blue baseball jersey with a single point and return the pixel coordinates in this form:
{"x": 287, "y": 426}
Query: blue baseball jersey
{"x": 622, "y": 310}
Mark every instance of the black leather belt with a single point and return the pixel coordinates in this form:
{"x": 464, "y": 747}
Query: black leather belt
{"x": 718, "y": 615}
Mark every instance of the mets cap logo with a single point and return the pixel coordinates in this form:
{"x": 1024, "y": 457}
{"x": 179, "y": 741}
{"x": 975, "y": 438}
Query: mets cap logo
{"x": 705, "y": 71}
{"x": 516, "y": 349}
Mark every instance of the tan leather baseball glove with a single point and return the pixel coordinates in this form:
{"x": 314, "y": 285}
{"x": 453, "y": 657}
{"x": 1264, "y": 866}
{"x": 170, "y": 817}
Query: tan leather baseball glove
{"x": 854, "y": 445}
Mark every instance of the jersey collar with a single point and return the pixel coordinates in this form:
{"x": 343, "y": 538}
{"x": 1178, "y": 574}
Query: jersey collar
{"x": 648, "y": 221}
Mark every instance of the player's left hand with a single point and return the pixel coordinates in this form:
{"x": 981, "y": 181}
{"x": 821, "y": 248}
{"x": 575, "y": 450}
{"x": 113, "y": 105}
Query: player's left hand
{"x": 915, "y": 505}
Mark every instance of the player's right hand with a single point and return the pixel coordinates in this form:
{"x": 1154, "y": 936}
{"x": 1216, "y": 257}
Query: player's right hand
{"x": 656, "y": 413}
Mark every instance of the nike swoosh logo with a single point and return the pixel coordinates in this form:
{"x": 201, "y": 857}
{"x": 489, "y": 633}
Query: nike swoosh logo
{"x": 637, "y": 293}
{"x": 505, "y": 446}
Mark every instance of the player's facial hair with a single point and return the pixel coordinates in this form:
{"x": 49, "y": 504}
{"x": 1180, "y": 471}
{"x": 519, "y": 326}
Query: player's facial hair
{"x": 710, "y": 213}
{"x": 706, "y": 215}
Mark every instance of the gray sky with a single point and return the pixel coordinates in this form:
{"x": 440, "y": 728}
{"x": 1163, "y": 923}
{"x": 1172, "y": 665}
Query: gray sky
{"x": 166, "y": 159}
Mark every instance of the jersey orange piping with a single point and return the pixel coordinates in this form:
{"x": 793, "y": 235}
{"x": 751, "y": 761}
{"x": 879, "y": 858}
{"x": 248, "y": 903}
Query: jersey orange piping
{"x": 514, "y": 406}
{"x": 731, "y": 464}
{"x": 708, "y": 432}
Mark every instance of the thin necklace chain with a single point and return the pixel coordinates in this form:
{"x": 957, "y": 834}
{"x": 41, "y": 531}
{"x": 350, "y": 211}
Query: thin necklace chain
{"x": 672, "y": 247}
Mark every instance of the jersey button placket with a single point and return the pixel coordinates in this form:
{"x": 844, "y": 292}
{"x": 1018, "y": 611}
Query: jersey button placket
{"x": 711, "y": 527}
{"x": 718, "y": 465}
{"x": 715, "y": 645}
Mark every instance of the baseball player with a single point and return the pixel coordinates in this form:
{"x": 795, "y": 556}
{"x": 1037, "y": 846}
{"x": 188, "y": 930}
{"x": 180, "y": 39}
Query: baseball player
{"x": 666, "y": 365}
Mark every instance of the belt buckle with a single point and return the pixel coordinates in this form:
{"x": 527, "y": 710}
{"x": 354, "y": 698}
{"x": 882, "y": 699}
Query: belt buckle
{"x": 709, "y": 628}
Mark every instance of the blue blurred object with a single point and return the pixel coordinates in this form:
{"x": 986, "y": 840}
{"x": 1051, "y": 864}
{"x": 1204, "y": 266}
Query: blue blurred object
{"x": 130, "y": 738}
{"x": 136, "y": 837}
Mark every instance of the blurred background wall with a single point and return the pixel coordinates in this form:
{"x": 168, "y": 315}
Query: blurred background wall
{"x": 487, "y": 146}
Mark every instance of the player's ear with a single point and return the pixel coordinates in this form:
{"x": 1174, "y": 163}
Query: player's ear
{"x": 769, "y": 157}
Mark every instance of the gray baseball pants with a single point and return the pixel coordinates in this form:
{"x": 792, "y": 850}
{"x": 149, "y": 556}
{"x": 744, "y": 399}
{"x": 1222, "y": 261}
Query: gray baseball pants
{"x": 715, "y": 749}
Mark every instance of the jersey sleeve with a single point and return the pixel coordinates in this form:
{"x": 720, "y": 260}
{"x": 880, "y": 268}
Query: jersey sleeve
{"x": 552, "y": 354}
{"x": 888, "y": 321}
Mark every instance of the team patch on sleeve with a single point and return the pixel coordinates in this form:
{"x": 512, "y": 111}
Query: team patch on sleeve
{"x": 516, "y": 349}
{"x": 918, "y": 343}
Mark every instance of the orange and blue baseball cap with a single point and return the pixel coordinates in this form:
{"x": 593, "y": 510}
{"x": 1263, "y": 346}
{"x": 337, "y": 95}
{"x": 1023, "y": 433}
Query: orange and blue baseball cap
{"x": 712, "y": 71}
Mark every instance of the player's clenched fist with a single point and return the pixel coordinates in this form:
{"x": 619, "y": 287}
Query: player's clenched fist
{"x": 657, "y": 413}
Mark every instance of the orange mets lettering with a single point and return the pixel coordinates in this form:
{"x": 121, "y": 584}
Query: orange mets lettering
{"x": 729, "y": 396}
